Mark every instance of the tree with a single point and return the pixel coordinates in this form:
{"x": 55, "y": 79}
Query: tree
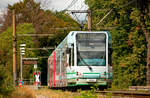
{"x": 129, "y": 40}
{"x": 44, "y": 22}
{"x": 6, "y": 84}
{"x": 143, "y": 6}
{"x": 29, "y": 11}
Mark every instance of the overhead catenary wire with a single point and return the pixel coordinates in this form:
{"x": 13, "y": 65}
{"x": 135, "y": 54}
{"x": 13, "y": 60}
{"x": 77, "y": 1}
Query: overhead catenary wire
{"x": 104, "y": 17}
{"x": 76, "y": 18}
{"x": 85, "y": 19}
{"x": 70, "y": 5}
{"x": 80, "y": 9}
{"x": 112, "y": 10}
{"x": 64, "y": 28}
{"x": 43, "y": 35}
{"x": 47, "y": 48}
{"x": 37, "y": 35}
{"x": 122, "y": 6}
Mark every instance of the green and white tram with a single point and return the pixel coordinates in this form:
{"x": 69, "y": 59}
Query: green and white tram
{"x": 82, "y": 58}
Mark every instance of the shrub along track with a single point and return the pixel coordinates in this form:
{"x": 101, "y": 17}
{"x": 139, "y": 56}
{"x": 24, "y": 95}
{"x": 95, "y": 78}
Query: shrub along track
{"x": 44, "y": 92}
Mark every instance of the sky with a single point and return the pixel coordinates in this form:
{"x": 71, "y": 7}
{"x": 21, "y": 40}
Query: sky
{"x": 62, "y": 4}
{"x": 52, "y": 5}
{"x": 4, "y": 3}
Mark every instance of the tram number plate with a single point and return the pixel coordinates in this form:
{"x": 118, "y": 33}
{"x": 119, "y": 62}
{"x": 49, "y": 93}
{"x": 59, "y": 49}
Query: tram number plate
{"x": 91, "y": 80}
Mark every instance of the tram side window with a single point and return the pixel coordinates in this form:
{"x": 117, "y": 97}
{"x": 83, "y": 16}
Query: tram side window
{"x": 68, "y": 52}
{"x": 72, "y": 56}
{"x": 64, "y": 58}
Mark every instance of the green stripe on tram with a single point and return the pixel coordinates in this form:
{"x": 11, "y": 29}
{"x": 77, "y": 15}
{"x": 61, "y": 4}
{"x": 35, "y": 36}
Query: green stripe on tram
{"x": 100, "y": 84}
{"x": 91, "y": 73}
{"x": 71, "y": 73}
{"x": 83, "y": 73}
{"x": 71, "y": 78}
{"x": 77, "y": 84}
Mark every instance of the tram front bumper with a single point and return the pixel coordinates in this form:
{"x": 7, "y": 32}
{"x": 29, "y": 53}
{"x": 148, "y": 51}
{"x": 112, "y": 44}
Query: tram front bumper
{"x": 75, "y": 82}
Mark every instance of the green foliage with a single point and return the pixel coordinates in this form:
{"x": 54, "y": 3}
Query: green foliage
{"x": 6, "y": 54}
{"x": 6, "y": 85}
{"x": 132, "y": 64}
{"x": 5, "y": 63}
{"x": 66, "y": 18}
{"x": 109, "y": 95}
{"x": 44, "y": 22}
{"x": 129, "y": 54}
{"x": 129, "y": 44}
{"x": 88, "y": 94}
{"x": 26, "y": 28}
{"x": 29, "y": 11}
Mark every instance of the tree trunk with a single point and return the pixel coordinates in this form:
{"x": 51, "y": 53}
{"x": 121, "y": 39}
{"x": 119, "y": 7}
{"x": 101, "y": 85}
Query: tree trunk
{"x": 143, "y": 6}
{"x": 148, "y": 65}
{"x": 148, "y": 55}
{"x": 146, "y": 33}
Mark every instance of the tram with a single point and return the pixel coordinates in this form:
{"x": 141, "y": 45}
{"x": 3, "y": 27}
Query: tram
{"x": 82, "y": 58}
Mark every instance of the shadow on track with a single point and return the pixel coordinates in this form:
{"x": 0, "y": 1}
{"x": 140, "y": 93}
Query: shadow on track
{"x": 82, "y": 88}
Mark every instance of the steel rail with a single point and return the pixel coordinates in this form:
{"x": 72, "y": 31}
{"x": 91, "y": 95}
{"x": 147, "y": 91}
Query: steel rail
{"x": 126, "y": 93}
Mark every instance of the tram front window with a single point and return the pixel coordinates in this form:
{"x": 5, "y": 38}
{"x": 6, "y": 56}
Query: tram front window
{"x": 91, "y": 49}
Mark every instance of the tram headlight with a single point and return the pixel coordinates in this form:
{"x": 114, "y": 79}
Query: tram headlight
{"x": 105, "y": 73}
{"x": 79, "y": 75}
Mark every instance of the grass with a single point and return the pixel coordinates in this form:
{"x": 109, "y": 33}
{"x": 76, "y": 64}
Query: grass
{"x": 27, "y": 92}
{"x": 55, "y": 93}
{"x": 23, "y": 92}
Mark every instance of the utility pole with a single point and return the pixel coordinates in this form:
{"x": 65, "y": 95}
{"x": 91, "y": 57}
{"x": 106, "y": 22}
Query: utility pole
{"x": 89, "y": 20}
{"x": 14, "y": 50}
{"x": 89, "y": 12}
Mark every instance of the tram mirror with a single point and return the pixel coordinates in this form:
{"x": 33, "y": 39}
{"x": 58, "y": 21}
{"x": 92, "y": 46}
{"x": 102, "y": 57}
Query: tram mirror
{"x": 110, "y": 50}
{"x": 72, "y": 45}
{"x": 68, "y": 50}
{"x": 110, "y": 56}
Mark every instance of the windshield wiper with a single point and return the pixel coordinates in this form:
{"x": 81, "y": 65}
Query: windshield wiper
{"x": 81, "y": 59}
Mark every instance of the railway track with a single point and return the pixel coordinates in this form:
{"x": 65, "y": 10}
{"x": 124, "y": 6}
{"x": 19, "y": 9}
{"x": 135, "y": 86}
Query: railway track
{"x": 112, "y": 94}
{"x": 132, "y": 94}
{"x": 115, "y": 94}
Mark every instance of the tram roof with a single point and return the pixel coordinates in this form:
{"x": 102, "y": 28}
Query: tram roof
{"x": 70, "y": 38}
